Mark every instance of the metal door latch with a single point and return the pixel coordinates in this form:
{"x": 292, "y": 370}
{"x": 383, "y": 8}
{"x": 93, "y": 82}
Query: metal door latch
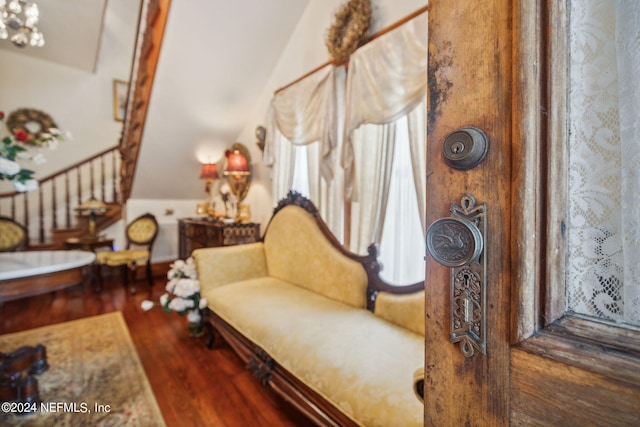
{"x": 457, "y": 242}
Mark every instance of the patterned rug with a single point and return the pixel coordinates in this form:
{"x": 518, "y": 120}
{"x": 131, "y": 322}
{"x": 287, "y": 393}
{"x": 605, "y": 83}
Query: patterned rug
{"x": 95, "y": 377}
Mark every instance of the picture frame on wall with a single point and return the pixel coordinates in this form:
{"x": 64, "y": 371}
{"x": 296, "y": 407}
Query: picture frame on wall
{"x": 120, "y": 89}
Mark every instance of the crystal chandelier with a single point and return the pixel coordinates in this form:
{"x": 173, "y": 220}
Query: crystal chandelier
{"x": 18, "y": 20}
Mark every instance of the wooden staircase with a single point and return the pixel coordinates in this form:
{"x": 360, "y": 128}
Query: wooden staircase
{"x": 110, "y": 217}
{"x": 49, "y": 213}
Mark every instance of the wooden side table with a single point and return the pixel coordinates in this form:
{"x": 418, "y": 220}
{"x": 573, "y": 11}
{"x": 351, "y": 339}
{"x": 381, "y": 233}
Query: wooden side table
{"x": 28, "y": 273}
{"x": 87, "y": 244}
{"x": 195, "y": 233}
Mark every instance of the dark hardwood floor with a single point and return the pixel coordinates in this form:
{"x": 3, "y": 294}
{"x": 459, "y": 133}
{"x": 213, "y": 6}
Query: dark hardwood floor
{"x": 194, "y": 386}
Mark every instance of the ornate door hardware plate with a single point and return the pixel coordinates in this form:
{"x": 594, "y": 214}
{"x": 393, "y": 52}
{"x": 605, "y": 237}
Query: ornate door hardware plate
{"x": 457, "y": 242}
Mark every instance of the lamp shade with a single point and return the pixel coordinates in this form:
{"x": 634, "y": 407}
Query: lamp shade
{"x": 209, "y": 171}
{"x": 236, "y": 164}
{"x": 93, "y": 206}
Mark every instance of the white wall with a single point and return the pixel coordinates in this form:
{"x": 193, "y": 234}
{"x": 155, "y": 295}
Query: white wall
{"x": 216, "y": 56}
{"x": 78, "y": 101}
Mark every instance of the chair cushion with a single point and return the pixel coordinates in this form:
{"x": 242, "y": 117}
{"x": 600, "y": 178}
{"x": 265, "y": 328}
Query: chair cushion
{"x": 361, "y": 363}
{"x": 406, "y": 310}
{"x": 123, "y": 257}
{"x": 11, "y": 235}
{"x": 142, "y": 230}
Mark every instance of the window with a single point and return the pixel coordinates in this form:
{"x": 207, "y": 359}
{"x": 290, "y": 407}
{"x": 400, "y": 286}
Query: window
{"x": 402, "y": 248}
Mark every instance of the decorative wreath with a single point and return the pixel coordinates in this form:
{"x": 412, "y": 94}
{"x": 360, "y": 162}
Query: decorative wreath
{"x": 350, "y": 29}
{"x": 32, "y": 122}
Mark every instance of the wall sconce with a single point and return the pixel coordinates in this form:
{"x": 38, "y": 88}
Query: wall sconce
{"x": 261, "y": 135}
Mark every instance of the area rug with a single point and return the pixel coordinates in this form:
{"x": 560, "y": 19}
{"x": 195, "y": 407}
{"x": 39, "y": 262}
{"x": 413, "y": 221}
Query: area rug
{"x": 95, "y": 377}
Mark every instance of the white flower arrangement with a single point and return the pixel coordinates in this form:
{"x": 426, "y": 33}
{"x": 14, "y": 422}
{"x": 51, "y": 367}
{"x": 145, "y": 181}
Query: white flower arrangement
{"x": 183, "y": 292}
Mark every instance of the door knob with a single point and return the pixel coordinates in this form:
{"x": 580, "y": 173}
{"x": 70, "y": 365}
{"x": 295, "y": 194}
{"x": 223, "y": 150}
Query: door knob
{"x": 457, "y": 242}
{"x": 465, "y": 148}
{"x": 454, "y": 241}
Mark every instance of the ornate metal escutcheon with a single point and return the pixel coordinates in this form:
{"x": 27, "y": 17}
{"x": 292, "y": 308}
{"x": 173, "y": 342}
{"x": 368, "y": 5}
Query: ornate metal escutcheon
{"x": 457, "y": 242}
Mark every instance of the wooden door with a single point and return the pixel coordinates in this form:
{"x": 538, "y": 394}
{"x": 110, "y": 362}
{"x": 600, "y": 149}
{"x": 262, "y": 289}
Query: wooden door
{"x": 497, "y": 65}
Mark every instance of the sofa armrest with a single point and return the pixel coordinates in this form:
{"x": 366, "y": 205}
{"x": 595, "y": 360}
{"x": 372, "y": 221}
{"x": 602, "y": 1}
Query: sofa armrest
{"x": 228, "y": 264}
{"x": 418, "y": 384}
{"x": 406, "y": 310}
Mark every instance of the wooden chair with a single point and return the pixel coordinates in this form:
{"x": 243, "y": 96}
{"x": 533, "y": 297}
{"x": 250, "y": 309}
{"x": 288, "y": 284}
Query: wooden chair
{"x": 140, "y": 234}
{"x": 13, "y": 235}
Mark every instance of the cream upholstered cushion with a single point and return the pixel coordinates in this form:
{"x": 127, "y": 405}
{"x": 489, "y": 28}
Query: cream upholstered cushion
{"x": 228, "y": 264}
{"x": 404, "y": 310}
{"x": 123, "y": 257}
{"x": 297, "y": 252}
{"x": 361, "y": 363}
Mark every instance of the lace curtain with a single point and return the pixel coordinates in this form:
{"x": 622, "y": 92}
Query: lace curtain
{"x": 603, "y": 274}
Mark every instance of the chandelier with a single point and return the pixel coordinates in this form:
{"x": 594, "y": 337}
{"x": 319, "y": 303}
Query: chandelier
{"x": 18, "y": 20}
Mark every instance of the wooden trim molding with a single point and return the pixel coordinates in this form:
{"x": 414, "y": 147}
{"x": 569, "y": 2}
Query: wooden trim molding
{"x": 544, "y": 330}
{"x": 370, "y": 38}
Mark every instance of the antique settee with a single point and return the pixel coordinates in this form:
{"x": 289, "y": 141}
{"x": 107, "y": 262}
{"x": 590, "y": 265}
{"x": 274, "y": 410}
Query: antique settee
{"x": 316, "y": 323}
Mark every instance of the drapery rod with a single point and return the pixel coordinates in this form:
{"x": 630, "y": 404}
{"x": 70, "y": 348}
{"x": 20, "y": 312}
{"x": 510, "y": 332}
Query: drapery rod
{"x": 372, "y": 37}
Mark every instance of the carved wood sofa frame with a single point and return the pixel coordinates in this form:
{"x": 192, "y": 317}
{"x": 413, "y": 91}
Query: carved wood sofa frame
{"x": 266, "y": 369}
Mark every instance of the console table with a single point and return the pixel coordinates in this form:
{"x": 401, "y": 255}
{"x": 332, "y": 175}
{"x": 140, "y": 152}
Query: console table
{"x": 195, "y": 233}
{"x": 28, "y": 273}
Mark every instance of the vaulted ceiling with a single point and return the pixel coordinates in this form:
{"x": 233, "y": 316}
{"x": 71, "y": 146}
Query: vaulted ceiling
{"x": 216, "y": 58}
{"x": 72, "y": 30}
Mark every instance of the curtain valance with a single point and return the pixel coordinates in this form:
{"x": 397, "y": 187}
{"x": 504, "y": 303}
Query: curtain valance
{"x": 307, "y": 112}
{"x": 387, "y": 79}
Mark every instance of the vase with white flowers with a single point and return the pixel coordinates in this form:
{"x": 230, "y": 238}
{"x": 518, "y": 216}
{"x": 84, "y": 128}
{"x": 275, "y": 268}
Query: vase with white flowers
{"x": 12, "y": 151}
{"x": 183, "y": 295}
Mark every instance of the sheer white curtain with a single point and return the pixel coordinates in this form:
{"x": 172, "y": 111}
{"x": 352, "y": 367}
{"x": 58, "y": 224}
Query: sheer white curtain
{"x": 603, "y": 271}
{"x": 387, "y": 79}
{"x": 402, "y": 248}
{"x": 303, "y": 138}
{"x": 373, "y": 160}
{"x": 386, "y": 84}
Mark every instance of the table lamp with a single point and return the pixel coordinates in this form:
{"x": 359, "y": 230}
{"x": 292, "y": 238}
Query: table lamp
{"x": 92, "y": 207}
{"x": 209, "y": 173}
